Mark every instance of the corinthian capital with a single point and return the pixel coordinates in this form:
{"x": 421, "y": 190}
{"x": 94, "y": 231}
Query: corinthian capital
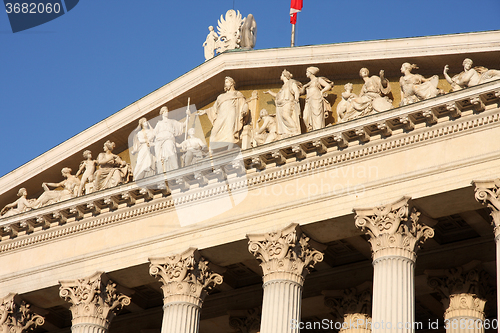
{"x": 285, "y": 254}
{"x": 185, "y": 276}
{"x": 16, "y": 315}
{"x": 94, "y": 299}
{"x": 488, "y": 193}
{"x": 350, "y": 301}
{"x": 394, "y": 229}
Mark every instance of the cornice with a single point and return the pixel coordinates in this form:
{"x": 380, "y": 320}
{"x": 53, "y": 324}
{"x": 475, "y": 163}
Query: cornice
{"x": 282, "y": 160}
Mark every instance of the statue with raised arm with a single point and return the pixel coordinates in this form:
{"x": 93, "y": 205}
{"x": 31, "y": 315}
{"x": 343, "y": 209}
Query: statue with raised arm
{"x": 373, "y": 96}
{"x": 470, "y": 76}
{"x": 70, "y": 190}
{"x": 415, "y": 87}
{"x": 193, "y": 147}
{"x": 21, "y": 205}
{"x": 143, "y": 142}
{"x": 112, "y": 170}
{"x": 267, "y": 132}
{"x": 317, "y": 107}
{"x": 226, "y": 116}
{"x": 345, "y": 110}
{"x": 209, "y": 44}
{"x": 165, "y": 146}
{"x": 287, "y": 106}
{"x": 88, "y": 175}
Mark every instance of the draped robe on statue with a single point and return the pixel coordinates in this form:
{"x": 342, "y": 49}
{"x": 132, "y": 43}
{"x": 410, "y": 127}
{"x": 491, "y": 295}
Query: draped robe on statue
{"x": 165, "y": 149}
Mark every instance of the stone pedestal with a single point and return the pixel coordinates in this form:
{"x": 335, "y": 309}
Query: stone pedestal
{"x": 185, "y": 278}
{"x": 395, "y": 235}
{"x": 16, "y": 315}
{"x": 285, "y": 257}
{"x": 95, "y": 300}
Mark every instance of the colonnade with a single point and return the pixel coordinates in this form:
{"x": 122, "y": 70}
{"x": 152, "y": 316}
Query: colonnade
{"x": 395, "y": 232}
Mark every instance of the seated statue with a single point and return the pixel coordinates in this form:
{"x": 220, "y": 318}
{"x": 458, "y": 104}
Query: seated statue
{"x": 112, "y": 170}
{"x": 267, "y": 132}
{"x": 195, "y": 149}
{"x": 70, "y": 190}
{"x": 372, "y": 98}
{"x": 21, "y": 205}
{"x": 414, "y": 87}
{"x": 470, "y": 76}
{"x": 345, "y": 110}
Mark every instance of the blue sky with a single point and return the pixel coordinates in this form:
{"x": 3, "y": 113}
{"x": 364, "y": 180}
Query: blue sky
{"x": 62, "y": 77}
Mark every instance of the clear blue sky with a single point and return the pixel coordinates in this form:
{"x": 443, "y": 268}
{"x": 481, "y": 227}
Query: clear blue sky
{"x": 68, "y": 74}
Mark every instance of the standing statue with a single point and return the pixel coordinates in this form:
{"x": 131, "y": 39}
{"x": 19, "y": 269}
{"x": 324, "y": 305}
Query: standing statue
{"x": 470, "y": 76}
{"x": 287, "y": 106}
{"x": 142, "y": 144}
{"x": 226, "y": 116}
{"x": 70, "y": 190}
{"x": 88, "y": 175}
{"x": 316, "y": 108}
{"x": 268, "y": 131}
{"x": 248, "y": 33}
{"x": 415, "y": 87}
{"x": 209, "y": 44}
{"x": 112, "y": 170}
{"x": 21, "y": 205}
{"x": 372, "y": 97}
{"x": 165, "y": 146}
{"x": 345, "y": 110}
{"x": 194, "y": 148}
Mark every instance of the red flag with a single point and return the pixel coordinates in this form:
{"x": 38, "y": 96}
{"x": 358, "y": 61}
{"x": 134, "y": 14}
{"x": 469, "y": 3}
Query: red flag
{"x": 295, "y": 7}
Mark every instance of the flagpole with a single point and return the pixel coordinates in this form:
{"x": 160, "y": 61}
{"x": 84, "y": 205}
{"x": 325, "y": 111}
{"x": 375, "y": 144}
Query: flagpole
{"x": 292, "y": 44}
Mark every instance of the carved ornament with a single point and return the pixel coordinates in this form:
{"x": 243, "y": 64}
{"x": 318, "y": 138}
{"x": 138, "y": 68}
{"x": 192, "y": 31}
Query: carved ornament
{"x": 16, "y": 316}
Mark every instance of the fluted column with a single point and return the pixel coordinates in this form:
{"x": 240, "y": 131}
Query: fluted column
{"x": 95, "y": 300}
{"x": 351, "y": 307}
{"x": 185, "y": 279}
{"x": 395, "y": 234}
{"x": 285, "y": 257}
{"x": 488, "y": 193}
{"x": 16, "y": 316}
{"x": 463, "y": 295}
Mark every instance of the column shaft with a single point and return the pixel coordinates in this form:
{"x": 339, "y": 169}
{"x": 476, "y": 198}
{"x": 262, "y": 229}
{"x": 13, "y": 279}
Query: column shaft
{"x": 88, "y": 328}
{"x": 281, "y": 306}
{"x": 180, "y": 318}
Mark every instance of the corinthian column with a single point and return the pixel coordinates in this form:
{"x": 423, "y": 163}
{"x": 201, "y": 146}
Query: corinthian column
{"x": 395, "y": 234}
{"x": 285, "y": 257}
{"x": 488, "y": 193}
{"x": 16, "y": 316}
{"x": 95, "y": 300}
{"x": 185, "y": 279}
{"x": 352, "y": 307}
{"x": 463, "y": 296}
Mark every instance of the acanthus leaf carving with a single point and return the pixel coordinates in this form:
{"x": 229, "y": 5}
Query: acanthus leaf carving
{"x": 16, "y": 316}
{"x": 488, "y": 193}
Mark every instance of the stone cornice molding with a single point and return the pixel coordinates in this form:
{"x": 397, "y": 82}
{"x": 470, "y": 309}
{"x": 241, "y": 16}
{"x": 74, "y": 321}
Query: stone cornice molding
{"x": 16, "y": 316}
{"x": 487, "y": 192}
{"x": 393, "y": 229}
{"x": 95, "y": 300}
{"x": 185, "y": 277}
{"x": 129, "y": 195}
{"x": 286, "y": 254}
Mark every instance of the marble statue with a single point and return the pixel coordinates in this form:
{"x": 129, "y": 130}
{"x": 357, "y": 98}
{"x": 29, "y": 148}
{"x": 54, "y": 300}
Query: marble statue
{"x": 268, "y": 131}
{"x": 70, "y": 190}
{"x": 193, "y": 147}
{"x": 415, "y": 87}
{"x": 229, "y": 31}
{"x": 287, "y": 106}
{"x": 316, "y": 108}
{"x": 88, "y": 175}
{"x": 143, "y": 142}
{"x": 165, "y": 146}
{"x": 470, "y": 76}
{"x": 372, "y": 97}
{"x": 345, "y": 110}
{"x": 21, "y": 205}
{"x": 209, "y": 44}
{"x": 226, "y": 116}
{"x": 112, "y": 170}
{"x": 248, "y": 33}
